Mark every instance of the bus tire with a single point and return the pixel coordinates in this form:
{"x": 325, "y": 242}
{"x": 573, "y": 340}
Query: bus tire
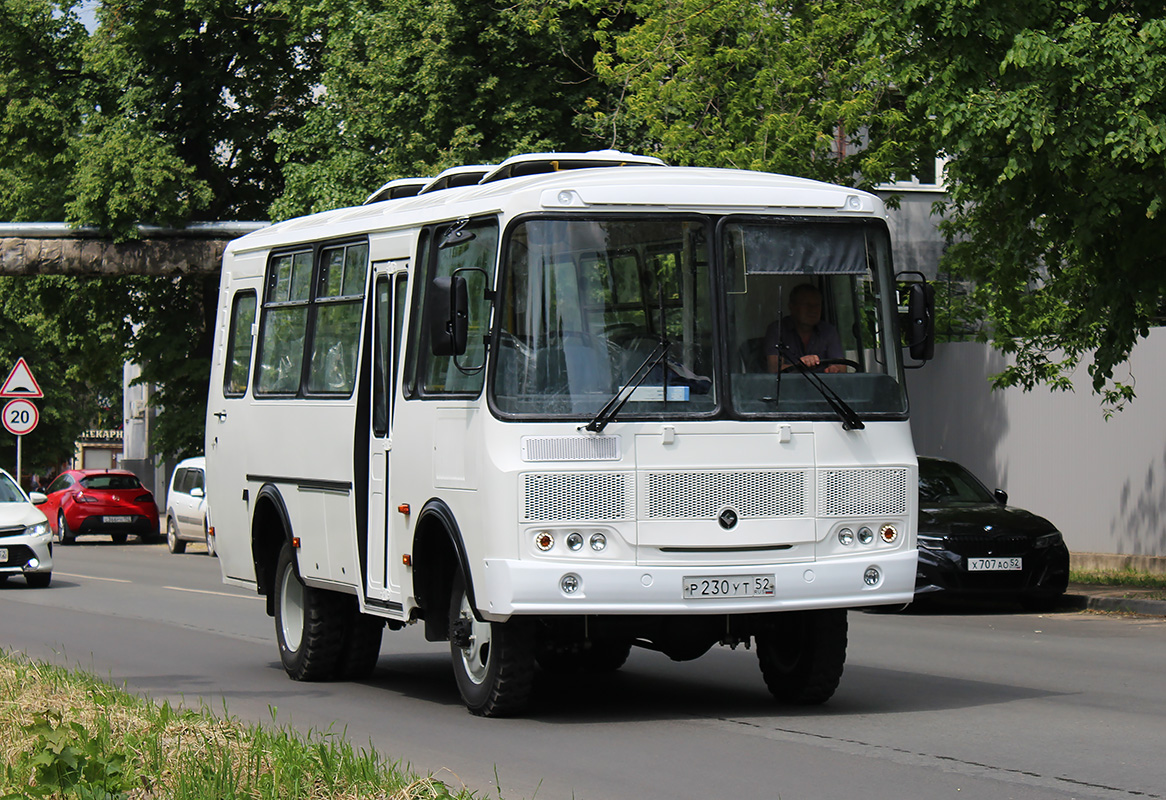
{"x": 493, "y": 662}
{"x": 802, "y": 656}
{"x": 362, "y": 646}
{"x": 309, "y": 623}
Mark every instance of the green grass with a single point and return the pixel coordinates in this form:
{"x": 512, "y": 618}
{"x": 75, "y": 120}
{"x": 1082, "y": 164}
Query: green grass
{"x": 1129, "y": 578}
{"x": 66, "y": 734}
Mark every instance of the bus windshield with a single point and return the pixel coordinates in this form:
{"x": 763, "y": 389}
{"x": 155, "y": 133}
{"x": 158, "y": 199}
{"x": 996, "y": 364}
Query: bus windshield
{"x": 586, "y": 303}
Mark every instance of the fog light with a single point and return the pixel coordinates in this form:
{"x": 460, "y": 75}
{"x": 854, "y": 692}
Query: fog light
{"x": 570, "y": 584}
{"x": 889, "y": 533}
{"x": 544, "y": 541}
{"x": 865, "y": 535}
{"x": 598, "y": 542}
{"x": 33, "y": 563}
{"x": 872, "y": 576}
{"x": 574, "y": 540}
{"x": 846, "y": 536}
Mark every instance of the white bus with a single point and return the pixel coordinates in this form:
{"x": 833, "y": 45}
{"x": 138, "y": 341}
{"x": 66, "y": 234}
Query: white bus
{"x": 552, "y": 414}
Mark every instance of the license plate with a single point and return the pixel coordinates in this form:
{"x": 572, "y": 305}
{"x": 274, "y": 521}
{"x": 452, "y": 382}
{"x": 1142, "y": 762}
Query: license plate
{"x": 115, "y": 520}
{"x": 993, "y": 564}
{"x": 712, "y": 586}
{"x": 3, "y": 555}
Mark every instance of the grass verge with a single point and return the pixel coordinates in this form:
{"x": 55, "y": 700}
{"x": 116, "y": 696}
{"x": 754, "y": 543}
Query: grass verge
{"x": 66, "y": 734}
{"x": 1130, "y": 578}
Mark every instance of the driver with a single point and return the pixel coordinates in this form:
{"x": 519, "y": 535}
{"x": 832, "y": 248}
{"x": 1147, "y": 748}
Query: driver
{"x": 803, "y": 334}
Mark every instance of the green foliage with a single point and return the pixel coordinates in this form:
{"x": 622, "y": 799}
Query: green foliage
{"x": 205, "y": 83}
{"x": 40, "y": 77}
{"x": 126, "y": 172}
{"x": 67, "y": 758}
{"x": 414, "y": 86}
{"x": 1053, "y": 113}
{"x": 775, "y": 86}
{"x": 70, "y": 332}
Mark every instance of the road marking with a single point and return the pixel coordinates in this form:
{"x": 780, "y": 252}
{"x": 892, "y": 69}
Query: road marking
{"x": 91, "y": 577}
{"x": 218, "y": 594}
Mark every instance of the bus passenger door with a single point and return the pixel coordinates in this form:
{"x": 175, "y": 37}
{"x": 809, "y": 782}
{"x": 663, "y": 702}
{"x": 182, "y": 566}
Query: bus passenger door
{"x": 389, "y": 292}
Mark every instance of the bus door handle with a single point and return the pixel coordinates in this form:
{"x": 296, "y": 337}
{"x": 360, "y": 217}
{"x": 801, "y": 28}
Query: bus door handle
{"x": 221, "y": 415}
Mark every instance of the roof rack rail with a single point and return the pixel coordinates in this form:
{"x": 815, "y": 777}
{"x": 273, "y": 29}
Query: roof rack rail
{"x": 467, "y": 175}
{"x": 395, "y": 189}
{"x": 540, "y": 163}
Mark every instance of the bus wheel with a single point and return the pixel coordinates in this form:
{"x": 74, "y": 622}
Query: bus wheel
{"x": 362, "y": 646}
{"x": 309, "y": 623}
{"x": 803, "y": 654}
{"x": 492, "y": 661}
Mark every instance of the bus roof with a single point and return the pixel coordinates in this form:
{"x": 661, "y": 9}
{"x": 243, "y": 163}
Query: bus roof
{"x": 629, "y": 188}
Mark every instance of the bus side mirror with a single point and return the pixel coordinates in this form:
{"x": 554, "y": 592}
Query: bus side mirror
{"x": 449, "y": 315}
{"x": 921, "y": 321}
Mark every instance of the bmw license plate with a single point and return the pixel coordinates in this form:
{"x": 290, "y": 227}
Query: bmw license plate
{"x": 712, "y": 586}
{"x": 993, "y": 564}
{"x": 116, "y": 520}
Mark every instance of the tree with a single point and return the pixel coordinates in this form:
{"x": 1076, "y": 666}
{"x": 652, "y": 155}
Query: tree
{"x": 779, "y": 85}
{"x": 414, "y": 86}
{"x": 65, "y": 337}
{"x": 40, "y": 82}
{"x": 1053, "y": 115}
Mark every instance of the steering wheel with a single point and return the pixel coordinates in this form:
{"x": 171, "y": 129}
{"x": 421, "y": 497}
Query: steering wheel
{"x": 826, "y": 362}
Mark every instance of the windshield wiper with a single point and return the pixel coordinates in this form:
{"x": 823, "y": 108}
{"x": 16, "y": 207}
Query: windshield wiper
{"x": 612, "y": 407}
{"x": 850, "y": 419}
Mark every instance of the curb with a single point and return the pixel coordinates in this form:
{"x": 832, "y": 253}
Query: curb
{"x": 1129, "y": 605}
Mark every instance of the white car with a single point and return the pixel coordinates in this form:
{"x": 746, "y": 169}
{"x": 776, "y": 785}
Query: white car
{"x": 186, "y": 509}
{"x": 25, "y": 536}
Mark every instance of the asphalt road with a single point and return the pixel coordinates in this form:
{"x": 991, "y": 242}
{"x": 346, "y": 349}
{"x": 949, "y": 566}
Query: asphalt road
{"x": 975, "y": 705}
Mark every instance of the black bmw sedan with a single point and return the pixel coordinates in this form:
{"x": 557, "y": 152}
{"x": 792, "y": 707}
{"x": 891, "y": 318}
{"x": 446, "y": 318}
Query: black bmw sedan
{"x": 973, "y": 545}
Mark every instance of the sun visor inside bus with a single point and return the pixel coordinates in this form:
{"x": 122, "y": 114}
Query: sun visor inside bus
{"x": 802, "y": 250}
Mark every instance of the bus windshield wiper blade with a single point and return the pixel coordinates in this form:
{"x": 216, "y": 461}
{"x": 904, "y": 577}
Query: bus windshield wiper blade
{"x": 612, "y": 407}
{"x": 850, "y": 419}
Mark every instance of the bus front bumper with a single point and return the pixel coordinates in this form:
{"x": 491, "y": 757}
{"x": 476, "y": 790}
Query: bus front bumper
{"x": 507, "y": 587}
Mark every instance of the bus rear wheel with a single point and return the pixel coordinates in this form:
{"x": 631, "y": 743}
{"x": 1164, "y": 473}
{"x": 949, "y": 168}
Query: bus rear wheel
{"x": 309, "y": 624}
{"x": 803, "y": 654}
{"x": 493, "y": 662}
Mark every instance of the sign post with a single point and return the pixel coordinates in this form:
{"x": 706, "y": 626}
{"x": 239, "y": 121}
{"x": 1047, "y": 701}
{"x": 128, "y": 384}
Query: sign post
{"x": 20, "y": 415}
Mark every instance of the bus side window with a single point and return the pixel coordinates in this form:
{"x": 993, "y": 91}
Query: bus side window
{"x": 336, "y": 334}
{"x": 239, "y": 343}
{"x": 285, "y": 322}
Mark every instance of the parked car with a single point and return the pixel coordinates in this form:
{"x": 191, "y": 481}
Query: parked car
{"x": 26, "y": 540}
{"x": 973, "y": 544}
{"x": 186, "y": 511}
{"x": 111, "y": 501}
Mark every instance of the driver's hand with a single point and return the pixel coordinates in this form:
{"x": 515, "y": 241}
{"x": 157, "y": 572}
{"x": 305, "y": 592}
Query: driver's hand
{"x": 836, "y": 368}
{"x": 810, "y": 360}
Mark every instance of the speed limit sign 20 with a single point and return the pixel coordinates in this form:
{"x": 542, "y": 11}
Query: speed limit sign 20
{"x": 20, "y": 417}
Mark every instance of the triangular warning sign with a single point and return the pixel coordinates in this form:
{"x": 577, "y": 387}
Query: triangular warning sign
{"x": 20, "y": 382}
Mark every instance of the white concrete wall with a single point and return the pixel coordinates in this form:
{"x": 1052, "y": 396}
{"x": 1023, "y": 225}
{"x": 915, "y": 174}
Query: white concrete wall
{"x": 1103, "y": 483}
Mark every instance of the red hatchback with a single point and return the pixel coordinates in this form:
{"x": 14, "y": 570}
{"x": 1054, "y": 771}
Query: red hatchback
{"x": 84, "y": 501}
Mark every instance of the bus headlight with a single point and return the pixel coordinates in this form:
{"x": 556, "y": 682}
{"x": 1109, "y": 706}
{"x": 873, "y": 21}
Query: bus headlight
{"x": 846, "y": 536}
{"x": 865, "y": 535}
{"x": 598, "y": 542}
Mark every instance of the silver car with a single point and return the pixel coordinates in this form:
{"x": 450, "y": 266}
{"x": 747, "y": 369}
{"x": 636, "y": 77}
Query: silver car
{"x": 186, "y": 511}
{"x": 25, "y": 536}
